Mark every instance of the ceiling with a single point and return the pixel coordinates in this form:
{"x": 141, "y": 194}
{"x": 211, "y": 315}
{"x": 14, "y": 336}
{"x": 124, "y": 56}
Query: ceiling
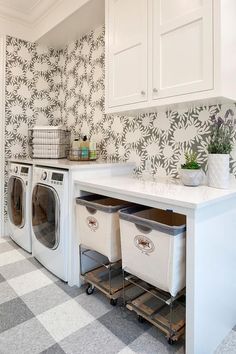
{"x": 26, "y": 10}
{"x": 53, "y": 22}
{"x": 88, "y": 17}
{"x": 20, "y": 5}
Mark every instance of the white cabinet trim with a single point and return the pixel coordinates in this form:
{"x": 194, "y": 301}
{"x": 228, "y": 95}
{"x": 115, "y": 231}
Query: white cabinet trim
{"x": 2, "y": 130}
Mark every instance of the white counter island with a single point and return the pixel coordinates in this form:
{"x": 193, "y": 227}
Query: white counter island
{"x": 211, "y": 249}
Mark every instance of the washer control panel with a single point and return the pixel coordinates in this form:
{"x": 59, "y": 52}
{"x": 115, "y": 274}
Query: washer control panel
{"x": 51, "y": 177}
{"x": 57, "y": 178}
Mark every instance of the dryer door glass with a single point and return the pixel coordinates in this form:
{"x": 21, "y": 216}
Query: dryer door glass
{"x": 16, "y": 201}
{"x": 45, "y": 215}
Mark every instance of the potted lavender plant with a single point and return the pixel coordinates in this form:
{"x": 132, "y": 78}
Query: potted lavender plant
{"x": 219, "y": 148}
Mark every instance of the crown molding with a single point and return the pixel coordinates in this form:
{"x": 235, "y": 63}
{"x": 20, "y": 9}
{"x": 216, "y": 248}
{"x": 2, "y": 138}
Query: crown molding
{"x": 27, "y": 15}
{"x": 55, "y": 15}
{"x": 23, "y": 8}
{"x": 15, "y": 28}
{"x": 43, "y": 9}
{"x": 33, "y": 22}
{"x": 91, "y": 16}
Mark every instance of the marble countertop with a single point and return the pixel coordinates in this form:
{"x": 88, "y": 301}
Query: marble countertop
{"x": 70, "y": 165}
{"x": 165, "y": 190}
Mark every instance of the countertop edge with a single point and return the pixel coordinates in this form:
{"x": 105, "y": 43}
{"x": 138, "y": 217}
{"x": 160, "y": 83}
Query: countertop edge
{"x": 164, "y": 200}
{"x": 75, "y": 165}
{"x": 139, "y": 195}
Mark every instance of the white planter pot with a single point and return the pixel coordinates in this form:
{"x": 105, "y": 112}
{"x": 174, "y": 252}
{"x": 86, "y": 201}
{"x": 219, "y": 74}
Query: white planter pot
{"x": 218, "y": 170}
{"x": 191, "y": 177}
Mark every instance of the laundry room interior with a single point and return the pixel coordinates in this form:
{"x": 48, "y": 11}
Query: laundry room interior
{"x": 118, "y": 166}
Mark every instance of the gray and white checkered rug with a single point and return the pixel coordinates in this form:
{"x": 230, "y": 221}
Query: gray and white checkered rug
{"x": 41, "y": 314}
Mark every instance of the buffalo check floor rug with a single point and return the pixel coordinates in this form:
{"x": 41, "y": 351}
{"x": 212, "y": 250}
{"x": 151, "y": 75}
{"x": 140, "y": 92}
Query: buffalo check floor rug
{"x": 41, "y": 314}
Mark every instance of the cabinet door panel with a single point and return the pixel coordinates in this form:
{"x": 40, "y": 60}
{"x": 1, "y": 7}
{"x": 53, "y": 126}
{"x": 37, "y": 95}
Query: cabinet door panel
{"x": 127, "y": 51}
{"x": 183, "y": 47}
{"x": 172, "y": 9}
{"x": 176, "y": 57}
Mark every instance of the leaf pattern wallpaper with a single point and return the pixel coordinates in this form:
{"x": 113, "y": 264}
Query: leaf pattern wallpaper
{"x": 31, "y": 92}
{"x": 45, "y": 86}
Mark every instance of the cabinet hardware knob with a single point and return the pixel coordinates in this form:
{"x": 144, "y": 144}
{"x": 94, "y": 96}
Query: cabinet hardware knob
{"x": 155, "y": 90}
{"x": 143, "y": 93}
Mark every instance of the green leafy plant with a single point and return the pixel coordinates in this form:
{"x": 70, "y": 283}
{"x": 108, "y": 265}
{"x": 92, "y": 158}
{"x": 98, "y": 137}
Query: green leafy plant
{"x": 191, "y": 161}
{"x": 222, "y": 131}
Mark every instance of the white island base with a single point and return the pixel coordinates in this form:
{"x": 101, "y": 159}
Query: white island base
{"x": 211, "y": 249}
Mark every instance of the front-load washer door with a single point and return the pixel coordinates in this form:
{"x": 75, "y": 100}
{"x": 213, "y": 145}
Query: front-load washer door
{"x": 16, "y": 201}
{"x": 45, "y": 215}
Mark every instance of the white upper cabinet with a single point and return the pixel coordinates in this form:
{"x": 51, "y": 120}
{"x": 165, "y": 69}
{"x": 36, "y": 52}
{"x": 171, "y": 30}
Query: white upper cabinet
{"x": 182, "y": 47}
{"x": 165, "y": 52}
{"x": 127, "y": 51}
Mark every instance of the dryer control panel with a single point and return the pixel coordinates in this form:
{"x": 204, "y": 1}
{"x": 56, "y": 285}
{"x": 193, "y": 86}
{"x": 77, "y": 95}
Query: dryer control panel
{"x": 24, "y": 171}
{"x": 19, "y": 170}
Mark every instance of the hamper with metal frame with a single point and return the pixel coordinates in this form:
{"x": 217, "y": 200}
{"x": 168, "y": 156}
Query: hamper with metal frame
{"x": 99, "y": 235}
{"x": 153, "y": 246}
{"x": 98, "y": 224}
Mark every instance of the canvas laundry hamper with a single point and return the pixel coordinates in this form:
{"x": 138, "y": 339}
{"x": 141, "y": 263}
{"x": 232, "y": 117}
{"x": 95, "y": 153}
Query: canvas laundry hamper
{"x": 153, "y": 246}
{"x": 98, "y": 224}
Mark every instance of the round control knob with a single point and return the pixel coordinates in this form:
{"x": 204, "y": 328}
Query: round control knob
{"x": 44, "y": 176}
{"x": 16, "y": 169}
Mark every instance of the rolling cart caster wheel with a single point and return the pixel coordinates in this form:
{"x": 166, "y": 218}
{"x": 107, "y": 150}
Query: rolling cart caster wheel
{"x": 89, "y": 290}
{"x": 113, "y": 302}
{"x": 170, "y": 341}
{"x": 141, "y": 319}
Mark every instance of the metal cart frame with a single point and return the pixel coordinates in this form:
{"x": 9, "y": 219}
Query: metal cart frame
{"x": 172, "y": 330}
{"x": 105, "y": 285}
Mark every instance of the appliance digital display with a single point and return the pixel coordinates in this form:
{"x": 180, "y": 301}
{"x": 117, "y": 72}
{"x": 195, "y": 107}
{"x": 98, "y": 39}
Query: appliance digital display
{"x": 24, "y": 169}
{"x": 57, "y": 176}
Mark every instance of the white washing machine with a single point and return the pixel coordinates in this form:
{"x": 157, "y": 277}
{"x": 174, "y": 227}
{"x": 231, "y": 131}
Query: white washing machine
{"x": 19, "y": 204}
{"x": 50, "y": 219}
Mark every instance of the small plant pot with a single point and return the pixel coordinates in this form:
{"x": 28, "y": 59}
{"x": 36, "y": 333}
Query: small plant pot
{"x": 218, "y": 170}
{"x": 191, "y": 177}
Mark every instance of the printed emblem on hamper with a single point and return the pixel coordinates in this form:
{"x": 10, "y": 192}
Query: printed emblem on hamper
{"x": 144, "y": 244}
{"x": 92, "y": 223}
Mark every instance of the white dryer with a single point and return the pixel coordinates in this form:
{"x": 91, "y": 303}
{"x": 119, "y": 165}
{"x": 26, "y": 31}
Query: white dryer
{"x": 50, "y": 219}
{"x": 19, "y": 204}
